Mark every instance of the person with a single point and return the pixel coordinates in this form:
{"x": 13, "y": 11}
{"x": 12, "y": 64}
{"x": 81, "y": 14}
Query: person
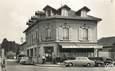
{"x": 43, "y": 59}
{"x": 3, "y": 65}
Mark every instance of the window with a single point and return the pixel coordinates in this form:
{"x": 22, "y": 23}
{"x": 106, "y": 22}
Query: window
{"x": 83, "y": 13}
{"x": 48, "y": 12}
{"x": 66, "y": 31}
{"x": 64, "y": 12}
{"x": 28, "y": 52}
{"x": 35, "y": 51}
{"x": 83, "y": 33}
{"x": 48, "y": 32}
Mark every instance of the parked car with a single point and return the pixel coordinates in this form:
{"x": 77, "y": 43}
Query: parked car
{"x": 79, "y": 61}
{"x": 98, "y": 61}
{"x": 26, "y": 61}
{"x": 19, "y": 58}
{"x": 101, "y": 61}
{"x": 108, "y": 61}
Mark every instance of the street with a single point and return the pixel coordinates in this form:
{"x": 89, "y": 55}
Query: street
{"x": 45, "y": 68}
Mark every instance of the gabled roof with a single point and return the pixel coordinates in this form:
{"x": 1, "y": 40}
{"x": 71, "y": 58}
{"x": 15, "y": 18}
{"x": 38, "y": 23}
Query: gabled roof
{"x": 83, "y": 8}
{"x": 48, "y": 7}
{"x": 64, "y": 6}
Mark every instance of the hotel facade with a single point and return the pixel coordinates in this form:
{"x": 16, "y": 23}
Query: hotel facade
{"x": 61, "y": 32}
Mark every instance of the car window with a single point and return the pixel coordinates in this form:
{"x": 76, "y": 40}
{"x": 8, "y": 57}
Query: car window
{"x": 81, "y": 58}
{"x": 109, "y": 59}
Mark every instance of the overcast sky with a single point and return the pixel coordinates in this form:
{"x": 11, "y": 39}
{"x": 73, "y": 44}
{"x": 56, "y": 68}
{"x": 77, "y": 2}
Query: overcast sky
{"x": 15, "y": 13}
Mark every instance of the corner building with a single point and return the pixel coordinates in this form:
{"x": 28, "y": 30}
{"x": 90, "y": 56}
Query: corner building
{"x": 61, "y": 32}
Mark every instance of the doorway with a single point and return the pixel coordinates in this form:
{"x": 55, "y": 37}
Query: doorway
{"x": 48, "y": 53}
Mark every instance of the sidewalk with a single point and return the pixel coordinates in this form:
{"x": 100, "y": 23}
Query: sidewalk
{"x": 49, "y": 65}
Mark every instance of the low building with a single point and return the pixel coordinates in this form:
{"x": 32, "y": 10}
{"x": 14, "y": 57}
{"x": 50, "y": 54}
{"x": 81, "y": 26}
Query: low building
{"x": 108, "y": 44}
{"x": 61, "y": 32}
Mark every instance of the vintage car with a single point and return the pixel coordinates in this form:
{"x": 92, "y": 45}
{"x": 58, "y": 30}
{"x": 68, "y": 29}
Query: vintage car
{"x": 98, "y": 61}
{"x": 79, "y": 61}
{"x": 101, "y": 61}
{"x": 26, "y": 61}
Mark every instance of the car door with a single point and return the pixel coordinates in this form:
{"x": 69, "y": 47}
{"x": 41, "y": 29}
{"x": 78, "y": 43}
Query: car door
{"x": 82, "y": 61}
{"x": 78, "y": 61}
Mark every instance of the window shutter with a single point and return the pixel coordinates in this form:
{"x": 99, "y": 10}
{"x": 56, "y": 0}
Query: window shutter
{"x": 70, "y": 33}
{"x": 90, "y": 34}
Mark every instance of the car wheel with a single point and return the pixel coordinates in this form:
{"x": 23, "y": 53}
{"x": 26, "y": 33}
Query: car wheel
{"x": 99, "y": 65}
{"x": 70, "y": 64}
{"x": 88, "y": 64}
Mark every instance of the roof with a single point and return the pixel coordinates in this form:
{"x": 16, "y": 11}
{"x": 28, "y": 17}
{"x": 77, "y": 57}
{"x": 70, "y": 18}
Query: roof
{"x": 107, "y": 41}
{"x": 23, "y": 43}
{"x": 39, "y": 12}
{"x": 48, "y": 7}
{"x": 71, "y": 16}
{"x": 64, "y": 6}
{"x": 84, "y": 8}
{"x": 91, "y": 18}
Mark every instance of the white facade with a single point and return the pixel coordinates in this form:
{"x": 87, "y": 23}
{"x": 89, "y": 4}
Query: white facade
{"x": 61, "y": 36}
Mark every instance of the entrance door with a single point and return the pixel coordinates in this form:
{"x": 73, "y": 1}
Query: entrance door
{"x": 48, "y": 53}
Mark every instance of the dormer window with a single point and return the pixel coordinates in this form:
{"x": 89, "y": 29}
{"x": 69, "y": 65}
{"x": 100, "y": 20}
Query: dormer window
{"x": 49, "y": 11}
{"x": 64, "y": 10}
{"x": 39, "y": 14}
{"x": 83, "y": 12}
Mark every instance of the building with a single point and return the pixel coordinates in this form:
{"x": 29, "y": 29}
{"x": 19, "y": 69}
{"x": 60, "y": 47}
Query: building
{"x": 61, "y": 32}
{"x": 108, "y": 44}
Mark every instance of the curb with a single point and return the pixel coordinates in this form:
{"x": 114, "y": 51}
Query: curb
{"x": 48, "y": 65}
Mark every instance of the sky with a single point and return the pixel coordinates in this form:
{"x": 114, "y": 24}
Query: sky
{"x": 15, "y": 13}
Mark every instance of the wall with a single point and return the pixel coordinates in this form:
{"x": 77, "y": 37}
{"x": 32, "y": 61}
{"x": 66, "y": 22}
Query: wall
{"x": 74, "y": 30}
{"x": 42, "y": 31}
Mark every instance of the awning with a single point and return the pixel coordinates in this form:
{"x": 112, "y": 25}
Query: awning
{"x": 80, "y": 46}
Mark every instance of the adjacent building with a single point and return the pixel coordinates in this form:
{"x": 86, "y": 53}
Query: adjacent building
{"x": 61, "y": 32}
{"x": 108, "y": 44}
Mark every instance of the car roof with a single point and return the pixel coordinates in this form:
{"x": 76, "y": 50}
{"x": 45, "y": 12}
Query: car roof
{"x": 81, "y": 57}
{"x": 99, "y": 58}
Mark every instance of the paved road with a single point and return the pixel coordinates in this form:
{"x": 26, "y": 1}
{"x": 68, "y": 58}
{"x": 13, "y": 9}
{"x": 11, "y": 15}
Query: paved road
{"x": 40, "y": 68}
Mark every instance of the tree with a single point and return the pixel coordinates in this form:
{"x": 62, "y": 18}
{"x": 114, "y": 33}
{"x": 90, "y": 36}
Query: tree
{"x": 9, "y": 46}
{"x": 18, "y": 51}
